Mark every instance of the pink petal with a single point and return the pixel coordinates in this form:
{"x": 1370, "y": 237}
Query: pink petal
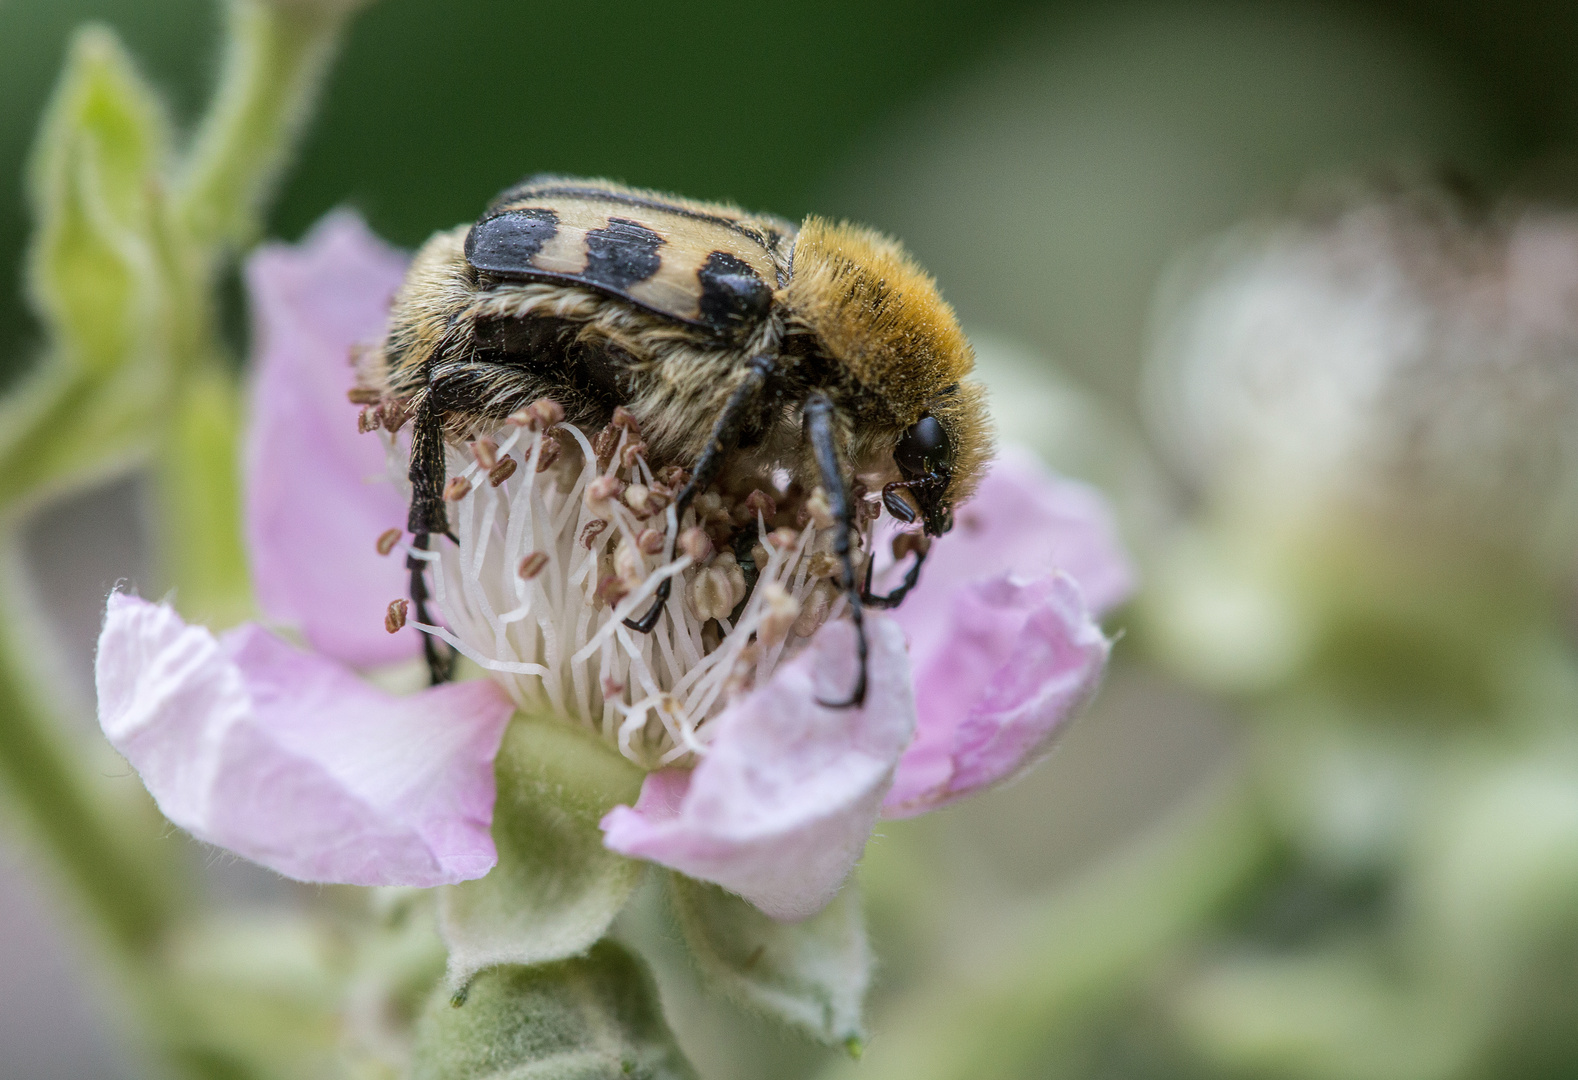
{"x": 317, "y": 493}
{"x": 1001, "y": 639}
{"x": 1018, "y": 661}
{"x": 288, "y": 759}
{"x": 780, "y": 808}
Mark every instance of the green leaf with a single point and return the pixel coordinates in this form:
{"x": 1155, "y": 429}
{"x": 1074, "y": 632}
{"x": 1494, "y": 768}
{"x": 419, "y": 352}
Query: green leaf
{"x": 591, "y": 1018}
{"x": 556, "y": 887}
{"x": 812, "y": 974}
{"x": 96, "y": 265}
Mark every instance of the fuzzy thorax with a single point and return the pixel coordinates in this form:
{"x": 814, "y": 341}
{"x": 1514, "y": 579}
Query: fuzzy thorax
{"x": 559, "y": 543}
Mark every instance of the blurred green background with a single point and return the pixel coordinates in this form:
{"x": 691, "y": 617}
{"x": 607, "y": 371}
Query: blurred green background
{"x": 1096, "y": 135}
{"x": 1045, "y": 160}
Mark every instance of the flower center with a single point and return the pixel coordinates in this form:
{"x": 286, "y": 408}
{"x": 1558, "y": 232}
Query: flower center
{"x": 562, "y": 537}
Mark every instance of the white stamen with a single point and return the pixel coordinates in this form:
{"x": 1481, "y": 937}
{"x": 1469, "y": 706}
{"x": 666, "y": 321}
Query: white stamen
{"x": 547, "y": 639}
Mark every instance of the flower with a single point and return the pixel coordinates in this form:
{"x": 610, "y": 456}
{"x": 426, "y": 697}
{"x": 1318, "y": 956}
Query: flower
{"x": 1398, "y": 353}
{"x": 292, "y": 759}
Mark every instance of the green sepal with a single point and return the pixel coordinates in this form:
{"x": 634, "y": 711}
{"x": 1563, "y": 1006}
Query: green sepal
{"x": 591, "y": 1018}
{"x": 556, "y": 887}
{"x": 811, "y": 974}
{"x": 99, "y": 277}
{"x": 203, "y": 555}
{"x": 96, "y": 185}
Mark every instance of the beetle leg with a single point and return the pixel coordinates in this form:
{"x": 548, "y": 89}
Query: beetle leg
{"x": 896, "y": 597}
{"x": 819, "y": 426}
{"x": 724, "y": 438}
{"x": 427, "y": 516}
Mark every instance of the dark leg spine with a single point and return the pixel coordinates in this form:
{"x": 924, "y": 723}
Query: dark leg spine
{"x": 724, "y": 438}
{"x": 819, "y": 427}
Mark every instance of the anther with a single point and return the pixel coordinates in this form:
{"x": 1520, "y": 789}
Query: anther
{"x": 540, "y": 415}
{"x": 532, "y": 565}
{"x": 457, "y": 488}
{"x": 388, "y": 539}
{"x": 632, "y": 453}
{"x": 696, "y": 543}
{"x": 502, "y": 471}
{"x": 486, "y": 451}
{"x": 593, "y": 529}
{"x": 395, "y": 414}
{"x": 551, "y": 449}
{"x": 369, "y": 419}
{"x": 759, "y": 502}
{"x": 818, "y": 510}
{"x": 823, "y": 565}
{"x": 603, "y": 446}
{"x": 364, "y": 395}
{"x": 394, "y": 618}
{"x": 611, "y": 589}
{"x": 624, "y": 418}
{"x": 639, "y": 498}
{"x": 783, "y": 539}
{"x": 779, "y": 613}
{"x": 612, "y": 687}
{"x": 672, "y": 476}
{"x": 650, "y": 541}
{"x": 600, "y": 496}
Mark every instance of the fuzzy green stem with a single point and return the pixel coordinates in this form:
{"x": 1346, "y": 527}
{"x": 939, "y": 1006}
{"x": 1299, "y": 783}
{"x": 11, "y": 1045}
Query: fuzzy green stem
{"x": 1078, "y": 952}
{"x": 120, "y": 882}
{"x": 275, "y": 62}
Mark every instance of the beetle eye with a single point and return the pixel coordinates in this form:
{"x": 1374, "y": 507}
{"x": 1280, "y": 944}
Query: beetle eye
{"x": 922, "y": 449}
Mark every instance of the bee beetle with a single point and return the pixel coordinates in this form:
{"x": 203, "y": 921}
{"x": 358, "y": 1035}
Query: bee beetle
{"x": 739, "y": 343}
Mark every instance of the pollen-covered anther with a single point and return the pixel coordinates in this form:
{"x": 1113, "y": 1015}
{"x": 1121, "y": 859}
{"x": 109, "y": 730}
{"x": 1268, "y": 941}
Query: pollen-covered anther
{"x": 906, "y": 542}
{"x": 717, "y": 589}
{"x": 611, "y": 590}
{"x": 624, "y": 418}
{"x": 742, "y": 675}
{"x": 395, "y": 414}
{"x": 486, "y": 453}
{"x": 813, "y": 610}
{"x": 457, "y": 488}
{"x": 784, "y": 539}
{"x": 593, "y": 530}
{"x": 628, "y": 566}
{"x": 370, "y": 419}
{"x": 394, "y": 618}
{"x": 532, "y": 565}
{"x": 388, "y": 539}
{"x": 632, "y": 453}
{"x": 817, "y": 510}
{"x": 540, "y": 415}
{"x": 696, "y": 543}
{"x": 759, "y": 502}
{"x": 672, "y": 477}
{"x": 822, "y": 565}
{"x": 641, "y": 501}
{"x": 650, "y": 541}
{"x": 502, "y": 471}
{"x": 779, "y": 611}
{"x": 600, "y": 496}
{"x": 548, "y": 456}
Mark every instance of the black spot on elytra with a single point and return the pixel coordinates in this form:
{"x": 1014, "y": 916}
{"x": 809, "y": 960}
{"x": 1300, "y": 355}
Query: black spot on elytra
{"x": 507, "y": 244}
{"x": 733, "y": 295}
{"x": 621, "y": 255}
